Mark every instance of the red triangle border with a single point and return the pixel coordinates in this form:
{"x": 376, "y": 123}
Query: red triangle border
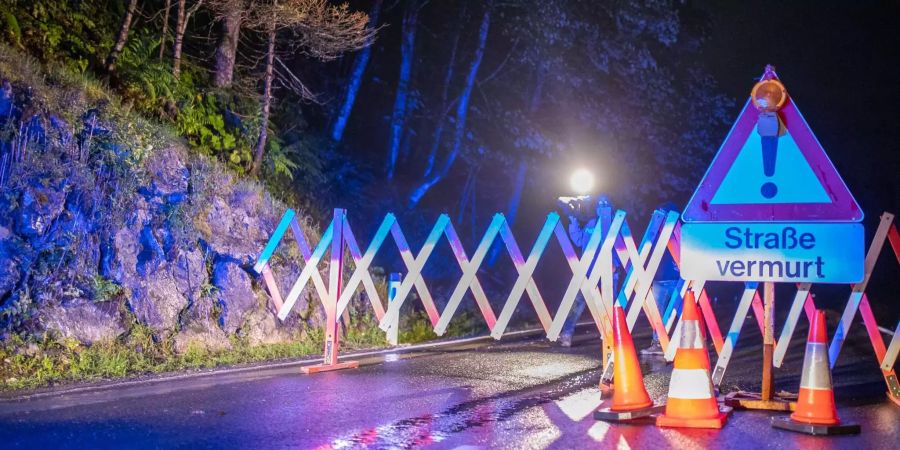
{"x": 843, "y": 207}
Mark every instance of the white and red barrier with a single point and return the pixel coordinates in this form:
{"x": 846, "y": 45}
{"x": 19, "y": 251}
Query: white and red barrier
{"x": 612, "y": 244}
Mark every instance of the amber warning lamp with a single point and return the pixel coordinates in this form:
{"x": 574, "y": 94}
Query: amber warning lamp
{"x": 768, "y": 95}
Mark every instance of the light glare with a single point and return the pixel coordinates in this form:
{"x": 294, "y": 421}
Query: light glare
{"x": 582, "y": 181}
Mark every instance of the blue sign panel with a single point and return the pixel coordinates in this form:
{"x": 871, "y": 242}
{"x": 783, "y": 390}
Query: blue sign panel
{"x": 792, "y": 175}
{"x": 789, "y": 252}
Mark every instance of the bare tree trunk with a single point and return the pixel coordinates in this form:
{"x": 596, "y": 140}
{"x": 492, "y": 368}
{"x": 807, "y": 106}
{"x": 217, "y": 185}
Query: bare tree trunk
{"x": 180, "y": 26}
{"x": 266, "y": 106}
{"x": 512, "y": 210}
{"x": 184, "y": 16}
{"x": 464, "y": 198}
{"x": 462, "y": 110}
{"x": 164, "y": 36}
{"x": 226, "y": 50}
{"x": 442, "y": 111}
{"x": 398, "y": 118}
{"x": 122, "y": 38}
{"x": 409, "y": 135}
{"x": 356, "y": 75}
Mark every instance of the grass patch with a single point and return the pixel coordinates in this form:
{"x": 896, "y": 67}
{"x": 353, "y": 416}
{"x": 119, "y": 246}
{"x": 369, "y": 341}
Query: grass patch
{"x": 416, "y": 327}
{"x": 46, "y": 360}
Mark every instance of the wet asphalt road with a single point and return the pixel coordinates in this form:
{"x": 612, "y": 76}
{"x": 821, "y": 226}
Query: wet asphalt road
{"x": 521, "y": 394}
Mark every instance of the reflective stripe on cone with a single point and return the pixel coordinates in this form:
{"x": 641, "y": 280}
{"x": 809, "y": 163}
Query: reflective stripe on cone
{"x": 815, "y": 402}
{"x": 690, "y": 384}
{"x": 692, "y": 399}
{"x": 815, "y": 367}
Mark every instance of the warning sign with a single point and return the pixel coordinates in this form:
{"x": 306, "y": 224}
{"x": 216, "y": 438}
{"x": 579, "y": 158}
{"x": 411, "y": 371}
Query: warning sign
{"x": 771, "y": 206}
{"x": 794, "y": 181}
{"x": 804, "y": 252}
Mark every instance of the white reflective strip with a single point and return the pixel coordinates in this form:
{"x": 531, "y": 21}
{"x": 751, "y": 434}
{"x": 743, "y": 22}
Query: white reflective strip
{"x": 690, "y": 335}
{"x": 800, "y": 299}
{"x": 525, "y": 283}
{"x": 674, "y": 342}
{"x": 696, "y": 286}
{"x": 890, "y": 356}
{"x": 690, "y": 384}
{"x": 469, "y": 279}
{"x": 816, "y": 372}
{"x": 414, "y": 266}
{"x": 736, "y": 324}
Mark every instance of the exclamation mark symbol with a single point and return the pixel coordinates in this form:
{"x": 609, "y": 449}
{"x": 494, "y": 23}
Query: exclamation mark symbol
{"x": 769, "y": 150}
{"x": 767, "y": 126}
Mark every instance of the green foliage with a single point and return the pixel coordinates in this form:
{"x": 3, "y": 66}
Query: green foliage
{"x": 148, "y": 83}
{"x": 197, "y": 114}
{"x": 416, "y": 327}
{"x": 106, "y": 289}
{"x": 66, "y": 43}
{"x": 283, "y": 161}
{"x": 77, "y": 33}
{"x": 69, "y": 95}
{"x": 46, "y": 360}
{"x": 201, "y": 120}
{"x": 364, "y": 333}
{"x": 17, "y": 309}
{"x": 11, "y": 30}
{"x": 221, "y": 124}
{"x": 296, "y": 160}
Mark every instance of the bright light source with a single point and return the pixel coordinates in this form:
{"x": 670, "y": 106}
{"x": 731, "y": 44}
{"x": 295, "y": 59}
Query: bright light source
{"x": 582, "y": 181}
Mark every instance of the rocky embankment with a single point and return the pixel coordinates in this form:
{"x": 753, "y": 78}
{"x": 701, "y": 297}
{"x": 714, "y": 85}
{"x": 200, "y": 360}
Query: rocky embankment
{"x": 107, "y": 223}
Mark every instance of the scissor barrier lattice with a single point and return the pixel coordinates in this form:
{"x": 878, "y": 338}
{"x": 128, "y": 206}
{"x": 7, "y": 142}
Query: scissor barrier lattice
{"x": 611, "y": 247}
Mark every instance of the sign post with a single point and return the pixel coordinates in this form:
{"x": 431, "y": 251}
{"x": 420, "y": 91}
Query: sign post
{"x": 770, "y": 208}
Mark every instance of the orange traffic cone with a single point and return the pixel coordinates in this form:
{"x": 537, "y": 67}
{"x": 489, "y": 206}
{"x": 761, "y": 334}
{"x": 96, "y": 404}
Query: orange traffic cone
{"x": 630, "y": 399}
{"x": 816, "y": 412}
{"x": 692, "y": 400}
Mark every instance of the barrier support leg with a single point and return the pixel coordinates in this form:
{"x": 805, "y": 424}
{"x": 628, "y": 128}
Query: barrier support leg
{"x": 887, "y": 370}
{"x": 859, "y": 300}
{"x": 393, "y": 333}
{"x": 767, "y": 399}
{"x": 332, "y": 320}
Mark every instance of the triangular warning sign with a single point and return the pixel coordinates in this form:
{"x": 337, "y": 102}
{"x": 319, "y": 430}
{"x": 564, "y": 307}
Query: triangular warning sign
{"x": 805, "y": 187}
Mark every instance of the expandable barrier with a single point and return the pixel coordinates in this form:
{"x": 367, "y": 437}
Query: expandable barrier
{"x": 611, "y": 244}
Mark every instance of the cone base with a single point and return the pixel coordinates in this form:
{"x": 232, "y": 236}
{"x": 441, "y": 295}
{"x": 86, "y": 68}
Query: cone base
{"x": 608, "y": 415}
{"x": 309, "y": 370}
{"x": 631, "y": 407}
{"x": 715, "y": 422}
{"x": 671, "y": 422}
{"x": 786, "y": 423}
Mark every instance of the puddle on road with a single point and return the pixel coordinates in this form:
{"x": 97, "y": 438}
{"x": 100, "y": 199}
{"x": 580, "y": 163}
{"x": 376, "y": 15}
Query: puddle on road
{"x": 433, "y": 428}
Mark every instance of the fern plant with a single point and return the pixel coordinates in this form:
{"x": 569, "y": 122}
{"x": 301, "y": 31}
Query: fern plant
{"x": 146, "y": 82}
{"x": 197, "y": 115}
{"x": 75, "y": 33}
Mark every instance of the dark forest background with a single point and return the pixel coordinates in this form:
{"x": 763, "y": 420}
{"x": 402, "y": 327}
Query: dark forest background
{"x": 458, "y": 106}
{"x": 475, "y": 107}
